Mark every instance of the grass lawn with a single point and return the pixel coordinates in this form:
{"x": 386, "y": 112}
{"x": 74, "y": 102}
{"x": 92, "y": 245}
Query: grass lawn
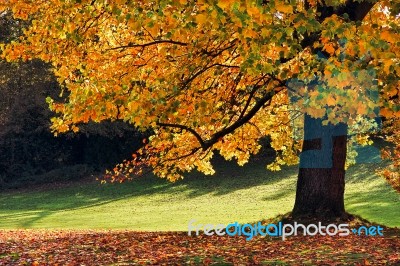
{"x": 243, "y": 194}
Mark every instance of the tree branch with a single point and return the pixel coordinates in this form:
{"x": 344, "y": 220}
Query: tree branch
{"x": 206, "y": 144}
{"x": 132, "y": 45}
{"x": 260, "y": 103}
{"x": 253, "y": 91}
{"x": 183, "y": 127}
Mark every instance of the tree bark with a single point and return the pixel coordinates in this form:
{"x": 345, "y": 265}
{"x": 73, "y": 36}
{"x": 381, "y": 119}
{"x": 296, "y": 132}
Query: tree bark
{"x": 321, "y": 179}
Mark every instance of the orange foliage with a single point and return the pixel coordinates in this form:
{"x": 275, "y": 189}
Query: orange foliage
{"x": 209, "y": 76}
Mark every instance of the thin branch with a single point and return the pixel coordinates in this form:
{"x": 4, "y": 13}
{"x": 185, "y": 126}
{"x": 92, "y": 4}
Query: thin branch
{"x": 253, "y": 91}
{"x": 183, "y": 127}
{"x": 227, "y": 66}
{"x": 259, "y": 104}
{"x": 148, "y": 32}
{"x": 195, "y": 75}
{"x": 193, "y": 151}
{"x": 133, "y": 45}
{"x": 254, "y": 125}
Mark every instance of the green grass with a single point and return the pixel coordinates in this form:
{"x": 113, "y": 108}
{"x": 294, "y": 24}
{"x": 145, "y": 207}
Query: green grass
{"x": 243, "y": 194}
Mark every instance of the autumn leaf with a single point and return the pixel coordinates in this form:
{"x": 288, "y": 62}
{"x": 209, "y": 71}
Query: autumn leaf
{"x": 284, "y": 8}
{"x": 208, "y": 77}
{"x": 224, "y": 4}
{"x": 89, "y": 247}
{"x": 331, "y": 101}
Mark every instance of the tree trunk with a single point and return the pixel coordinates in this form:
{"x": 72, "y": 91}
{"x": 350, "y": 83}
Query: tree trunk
{"x": 320, "y": 185}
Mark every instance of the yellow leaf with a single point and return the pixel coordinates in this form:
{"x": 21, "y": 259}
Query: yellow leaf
{"x": 284, "y": 8}
{"x": 201, "y": 19}
{"x": 331, "y": 101}
{"x": 316, "y": 112}
{"x": 249, "y": 33}
{"x": 225, "y": 4}
{"x": 327, "y": 72}
{"x": 253, "y": 11}
{"x": 393, "y": 92}
{"x": 273, "y": 167}
{"x": 388, "y": 36}
{"x": 387, "y": 63}
{"x": 75, "y": 128}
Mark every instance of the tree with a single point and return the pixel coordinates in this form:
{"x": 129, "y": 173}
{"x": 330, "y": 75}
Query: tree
{"x": 209, "y": 76}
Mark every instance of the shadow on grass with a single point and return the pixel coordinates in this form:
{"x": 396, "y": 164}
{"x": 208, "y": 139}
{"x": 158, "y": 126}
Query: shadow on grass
{"x": 230, "y": 177}
{"x": 28, "y": 207}
{"x": 381, "y": 205}
{"x": 370, "y": 196}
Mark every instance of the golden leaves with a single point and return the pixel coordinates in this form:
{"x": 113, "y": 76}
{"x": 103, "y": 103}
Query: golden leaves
{"x": 201, "y": 18}
{"x": 331, "y": 100}
{"x": 283, "y": 7}
{"x": 253, "y": 11}
{"x": 226, "y": 4}
{"x": 316, "y": 112}
{"x": 389, "y": 36}
{"x": 193, "y": 65}
{"x": 273, "y": 167}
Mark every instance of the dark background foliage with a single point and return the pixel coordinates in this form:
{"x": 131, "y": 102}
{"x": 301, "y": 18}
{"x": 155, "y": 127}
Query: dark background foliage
{"x": 29, "y": 153}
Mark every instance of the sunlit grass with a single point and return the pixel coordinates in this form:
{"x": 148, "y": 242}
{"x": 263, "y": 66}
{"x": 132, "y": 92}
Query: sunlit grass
{"x": 243, "y": 194}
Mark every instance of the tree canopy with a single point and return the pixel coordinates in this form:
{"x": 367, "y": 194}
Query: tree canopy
{"x": 210, "y": 76}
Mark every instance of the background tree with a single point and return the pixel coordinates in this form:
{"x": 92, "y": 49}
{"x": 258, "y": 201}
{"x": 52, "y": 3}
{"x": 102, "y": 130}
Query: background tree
{"x": 29, "y": 153}
{"x": 209, "y": 76}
